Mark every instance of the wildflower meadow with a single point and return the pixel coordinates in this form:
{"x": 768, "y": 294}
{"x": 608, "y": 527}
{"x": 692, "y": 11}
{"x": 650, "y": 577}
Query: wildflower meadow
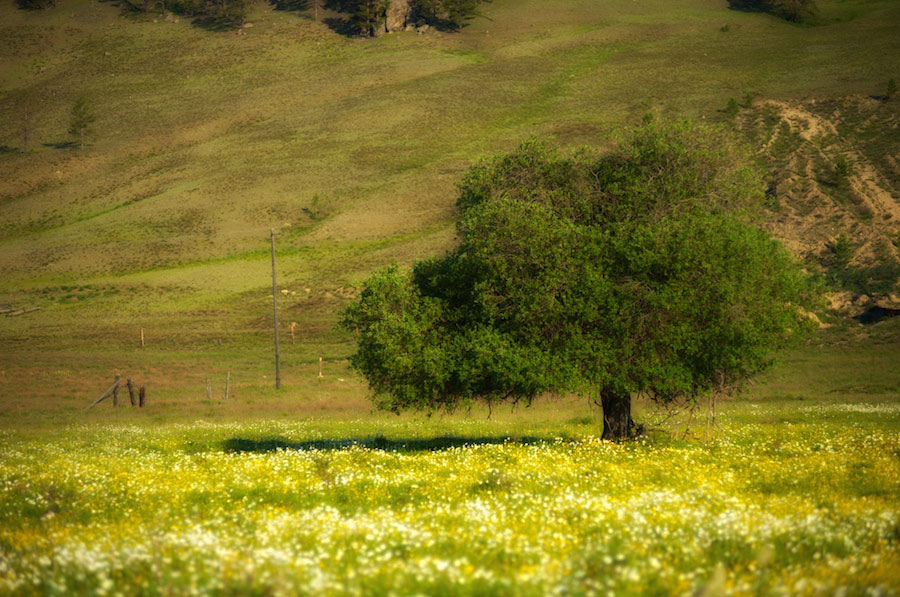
{"x": 764, "y": 505}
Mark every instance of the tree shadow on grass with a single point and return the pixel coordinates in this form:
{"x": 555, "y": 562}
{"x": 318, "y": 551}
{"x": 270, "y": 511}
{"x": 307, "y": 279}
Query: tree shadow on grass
{"x": 340, "y": 19}
{"x": 216, "y": 23}
{"x": 290, "y": 5}
{"x": 341, "y": 26}
{"x": 210, "y": 21}
{"x": 62, "y": 145}
{"x": 433, "y": 444}
{"x": 750, "y": 5}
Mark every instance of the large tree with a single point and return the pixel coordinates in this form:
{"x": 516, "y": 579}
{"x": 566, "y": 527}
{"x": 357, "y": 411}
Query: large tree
{"x": 624, "y": 273}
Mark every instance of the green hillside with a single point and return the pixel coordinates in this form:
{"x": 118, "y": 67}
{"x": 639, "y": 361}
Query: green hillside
{"x": 348, "y": 148}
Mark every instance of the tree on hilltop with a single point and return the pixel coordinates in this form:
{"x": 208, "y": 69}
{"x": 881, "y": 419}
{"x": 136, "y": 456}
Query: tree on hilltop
{"x": 617, "y": 275}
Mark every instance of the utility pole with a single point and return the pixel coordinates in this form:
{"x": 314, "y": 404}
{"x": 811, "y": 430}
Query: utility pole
{"x": 275, "y": 313}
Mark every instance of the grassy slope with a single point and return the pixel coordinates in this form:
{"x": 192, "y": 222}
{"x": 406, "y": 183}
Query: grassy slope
{"x": 349, "y": 148}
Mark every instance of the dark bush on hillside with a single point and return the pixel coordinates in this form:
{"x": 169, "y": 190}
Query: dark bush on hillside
{"x": 35, "y": 4}
{"x": 795, "y": 11}
{"x": 878, "y": 279}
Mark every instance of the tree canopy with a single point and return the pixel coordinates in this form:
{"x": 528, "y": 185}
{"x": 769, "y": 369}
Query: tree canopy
{"x": 629, "y": 272}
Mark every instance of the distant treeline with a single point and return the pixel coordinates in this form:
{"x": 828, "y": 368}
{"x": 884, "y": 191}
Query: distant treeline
{"x": 224, "y": 12}
{"x": 361, "y": 17}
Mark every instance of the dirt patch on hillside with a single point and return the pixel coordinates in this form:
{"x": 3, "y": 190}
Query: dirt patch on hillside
{"x": 834, "y": 180}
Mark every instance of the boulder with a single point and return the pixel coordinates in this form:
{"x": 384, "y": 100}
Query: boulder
{"x": 396, "y": 15}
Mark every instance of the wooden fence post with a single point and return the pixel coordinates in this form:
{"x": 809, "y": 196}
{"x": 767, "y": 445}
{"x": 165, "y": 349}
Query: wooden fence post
{"x": 227, "y": 383}
{"x": 114, "y": 388}
{"x": 208, "y": 390}
{"x": 293, "y": 327}
{"x": 130, "y": 391}
{"x": 142, "y": 337}
{"x": 320, "y": 367}
{"x": 141, "y": 395}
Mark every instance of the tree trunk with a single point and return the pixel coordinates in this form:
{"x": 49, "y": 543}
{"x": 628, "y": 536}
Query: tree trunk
{"x": 617, "y": 421}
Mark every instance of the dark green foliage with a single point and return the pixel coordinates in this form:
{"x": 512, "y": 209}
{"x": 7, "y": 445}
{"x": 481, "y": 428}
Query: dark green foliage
{"x": 630, "y": 272}
{"x": 81, "y": 119}
{"x": 36, "y": 4}
{"x": 368, "y": 15}
{"x": 747, "y": 102}
{"x": 732, "y": 108}
{"x": 878, "y": 278}
{"x": 842, "y": 171}
{"x": 795, "y": 11}
{"x": 841, "y": 251}
{"x": 232, "y": 11}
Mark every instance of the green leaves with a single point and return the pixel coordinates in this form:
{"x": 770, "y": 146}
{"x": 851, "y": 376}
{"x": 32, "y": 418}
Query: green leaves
{"x": 633, "y": 270}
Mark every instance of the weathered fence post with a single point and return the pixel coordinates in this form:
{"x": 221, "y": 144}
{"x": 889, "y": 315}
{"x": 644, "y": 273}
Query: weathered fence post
{"x": 141, "y": 395}
{"x": 114, "y": 388}
{"x": 130, "y": 391}
{"x": 227, "y": 383}
{"x": 142, "y": 337}
{"x": 320, "y": 367}
{"x": 208, "y": 390}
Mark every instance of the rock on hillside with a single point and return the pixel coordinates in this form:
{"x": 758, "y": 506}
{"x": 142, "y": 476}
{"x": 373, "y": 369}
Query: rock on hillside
{"x": 397, "y": 15}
